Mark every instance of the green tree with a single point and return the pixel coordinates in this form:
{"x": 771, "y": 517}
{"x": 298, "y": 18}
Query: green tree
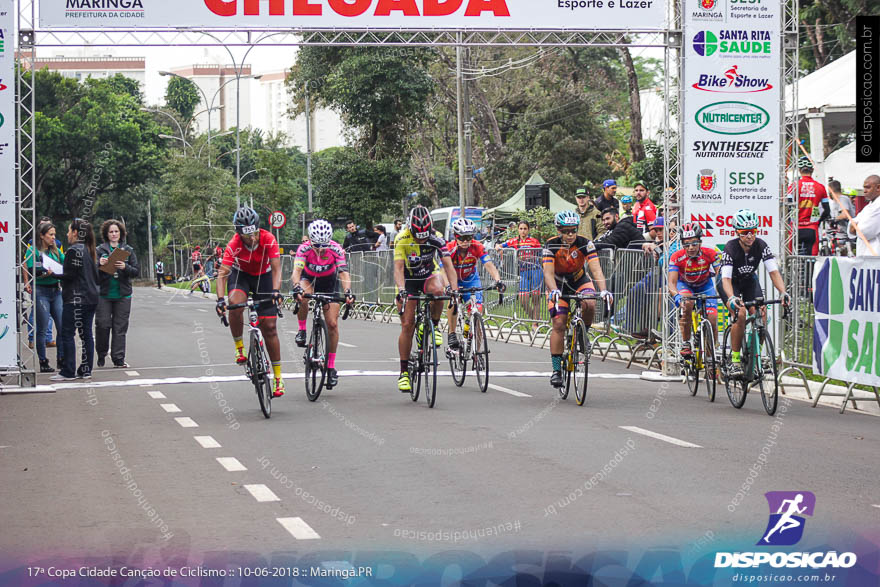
{"x": 350, "y": 185}
{"x": 828, "y": 29}
{"x": 183, "y": 96}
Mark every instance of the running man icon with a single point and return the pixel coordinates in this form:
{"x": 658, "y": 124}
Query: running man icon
{"x": 786, "y": 526}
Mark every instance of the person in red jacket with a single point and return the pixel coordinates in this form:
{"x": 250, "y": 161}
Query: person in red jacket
{"x": 813, "y": 208}
{"x": 644, "y": 212}
{"x": 531, "y": 276}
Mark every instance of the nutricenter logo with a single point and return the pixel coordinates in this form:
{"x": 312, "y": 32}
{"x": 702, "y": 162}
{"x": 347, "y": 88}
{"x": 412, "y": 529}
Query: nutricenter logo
{"x": 732, "y": 42}
{"x": 732, "y": 118}
{"x": 732, "y": 82}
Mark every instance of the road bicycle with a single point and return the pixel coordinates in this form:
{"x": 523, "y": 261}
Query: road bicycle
{"x": 758, "y": 360}
{"x": 258, "y": 367}
{"x": 576, "y": 356}
{"x": 702, "y": 357}
{"x": 423, "y": 361}
{"x": 315, "y": 355}
{"x": 473, "y": 344}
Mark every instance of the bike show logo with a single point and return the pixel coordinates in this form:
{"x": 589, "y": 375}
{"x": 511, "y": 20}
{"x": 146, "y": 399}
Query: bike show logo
{"x": 733, "y": 42}
{"x": 732, "y": 82}
{"x": 785, "y": 527}
{"x": 732, "y": 118}
{"x": 709, "y": 10}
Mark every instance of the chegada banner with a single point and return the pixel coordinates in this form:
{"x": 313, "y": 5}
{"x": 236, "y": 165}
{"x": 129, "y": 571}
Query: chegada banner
{"x": 846, "y": 334}
{"x": 358, "y": 14}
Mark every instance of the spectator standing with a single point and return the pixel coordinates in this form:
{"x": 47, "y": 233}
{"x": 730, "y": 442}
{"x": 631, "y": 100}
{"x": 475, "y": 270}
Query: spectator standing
{"x": 531, "y": 275}
{"x": 644, "y": 211}
{"x": 197, "y": 262}
{"x": 607, "y": 199}
{"x": 160, "y": 273}
{"x": 356, "y": 240}
{"x": 48, "y": 285}
{"x": 591, "y": 219}
{"x": 398, "y": 226}
{"x": 114, "y": 303}
{"x": 868, "y": 220}
{"x": 839, "y": 219}
{"x": 813, "y": 208}
{"x": 382, "y": 242}
{"x": 626, "y": 206}
{"x": 79, "y": 293}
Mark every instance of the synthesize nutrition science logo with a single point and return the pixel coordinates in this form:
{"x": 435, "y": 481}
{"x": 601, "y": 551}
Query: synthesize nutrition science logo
{"x": 735, "y": 42}
{"x": 732, "y": 118}
{"x": 785, "y": 527}
{"x": 732, "y": 81}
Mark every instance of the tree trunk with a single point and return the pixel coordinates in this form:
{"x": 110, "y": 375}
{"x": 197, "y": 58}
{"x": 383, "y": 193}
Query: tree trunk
{"x": 636, "y": 146}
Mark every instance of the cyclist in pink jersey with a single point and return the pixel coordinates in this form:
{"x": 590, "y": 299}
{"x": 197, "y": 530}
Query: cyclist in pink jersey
{"x": 319, "y": 267}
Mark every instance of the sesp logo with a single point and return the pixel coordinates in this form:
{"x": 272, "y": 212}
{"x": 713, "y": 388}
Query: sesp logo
{"x": 786, "y": 524}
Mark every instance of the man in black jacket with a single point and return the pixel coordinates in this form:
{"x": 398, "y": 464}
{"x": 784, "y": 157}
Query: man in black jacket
{"x": 620, "y": 233}
{"x": 356, "y": 240}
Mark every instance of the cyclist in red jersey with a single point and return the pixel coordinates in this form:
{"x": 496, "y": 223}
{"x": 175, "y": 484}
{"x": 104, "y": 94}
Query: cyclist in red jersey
{"x": 813, "y": 208}
{"x": 252, "y": 264}
{"x": 691, "y": 270}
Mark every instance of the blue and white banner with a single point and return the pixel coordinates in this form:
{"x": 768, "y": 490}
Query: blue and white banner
{"x": 8, "y": 218}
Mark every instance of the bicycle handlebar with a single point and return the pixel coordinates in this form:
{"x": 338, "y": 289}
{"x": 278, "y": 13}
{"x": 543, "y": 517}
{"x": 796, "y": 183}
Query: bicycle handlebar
{"x": 247, "y": 304}
{"x": 326, "y": 299}
{"x": 465, "y": 290}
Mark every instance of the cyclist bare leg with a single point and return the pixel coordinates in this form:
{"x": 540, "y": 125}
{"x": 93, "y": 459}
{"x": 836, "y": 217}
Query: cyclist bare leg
{"x": 331, "y": 319}
{"x": 303, "y": 314}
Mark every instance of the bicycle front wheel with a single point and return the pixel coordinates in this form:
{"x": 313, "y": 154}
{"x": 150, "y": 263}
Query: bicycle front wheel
{"x": 580, "y": 362}
{"x": 769, "y": 381}
{"x": 458, "y": 357}
{"x": 566, "y": 366}
{"x": 258, "y": 365}
{"x": 710, "y": 371}
{"x": 480, "y": 352}
{"x": 415, "y": 365}
{"x": 736, "y": 388}
{"x": 315, "y": 359}
{"x": 429, "y": 356}
{"x": 689, "y": 366}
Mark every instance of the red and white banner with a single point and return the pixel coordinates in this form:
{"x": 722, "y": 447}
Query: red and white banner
{"x": 732, "y": 127}
{"x": 8, "y": 218}
{"x": 357, "y": 14}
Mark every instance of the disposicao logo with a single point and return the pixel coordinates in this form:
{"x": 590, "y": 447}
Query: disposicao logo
{"x": 732, "y": 118}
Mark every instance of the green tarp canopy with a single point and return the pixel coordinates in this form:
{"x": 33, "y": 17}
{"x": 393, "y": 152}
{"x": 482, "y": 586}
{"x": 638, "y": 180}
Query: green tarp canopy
{"x": 518, "y": 200}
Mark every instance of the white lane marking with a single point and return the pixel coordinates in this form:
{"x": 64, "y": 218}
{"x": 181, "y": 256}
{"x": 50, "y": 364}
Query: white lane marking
{"x": 156, "y": 394}
{"x": 170, "y": 408}
{"x": 201, "y": 309}
{"x": 298, "y": 528}
{"x": 132, "y": 373}
{"x": 510, "y": 391}
{"x": 262, "y": 493}
{"x": 207, "y": 441}
{"x": 346, "y": 345}
{"x": 231, "y": 464}
{"x": 873, "y": 505}
{"x": 187, "y": 422}
{"x": 662, "y": 437}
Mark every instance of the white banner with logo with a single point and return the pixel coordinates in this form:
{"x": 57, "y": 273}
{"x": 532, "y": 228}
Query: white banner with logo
{"x": 8, "y": 217}
{"x": 846, "y": 333}
{"x": 732, "y": 73}
{"x": 358, "y": 14}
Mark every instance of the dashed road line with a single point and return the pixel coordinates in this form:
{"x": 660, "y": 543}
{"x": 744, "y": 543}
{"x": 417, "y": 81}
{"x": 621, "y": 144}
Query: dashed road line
{"x": 186, "y": 422}
{"x": 207, "y": 441}
{"x": 156, "y": 394}
{"x": 170, "y": 408}
{"x": 298, "y": 528}
{"x": 132, "y": 373}
{"x": 662, "y": 437}
{"x": 231, "y": 464}
{"x": 348, "y": 346}
{"x": 508, "y": 391}
{"x": 262, "y": 493}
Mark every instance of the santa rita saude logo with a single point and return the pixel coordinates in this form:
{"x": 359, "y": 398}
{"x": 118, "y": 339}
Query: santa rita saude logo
{"x": 732, "y": 81}
{"x": 785, "y": 527}
{"x": 735, "y": 42}
{"x": 732, "y": 118}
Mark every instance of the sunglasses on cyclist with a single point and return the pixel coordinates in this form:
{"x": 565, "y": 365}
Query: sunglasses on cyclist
{"x": 464, "y": 239}
{"x": 568, "y": 230}
{"x": 693, "y": 244}
{"x": 745, "y": 231}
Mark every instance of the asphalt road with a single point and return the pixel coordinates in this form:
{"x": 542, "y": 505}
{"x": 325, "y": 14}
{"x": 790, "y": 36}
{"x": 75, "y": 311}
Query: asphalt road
{"x": 365, "y": 467}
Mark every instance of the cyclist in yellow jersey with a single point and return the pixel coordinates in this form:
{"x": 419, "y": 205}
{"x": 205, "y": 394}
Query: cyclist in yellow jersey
{"x": 416, "y": 271}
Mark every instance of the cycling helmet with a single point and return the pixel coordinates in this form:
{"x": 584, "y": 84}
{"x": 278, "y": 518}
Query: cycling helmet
{"x": 320, "y": 232}
{"x": 745, "y": 219}
{"x": 691, "y": 230}
{"x": 804, "y": 162}
{"x": 626, "y": 200}
{"x": 567, "y": 218}
{"x": 246, "y": 221}
{"x": 420, "y": 224}
{"x": 464, "y": 227}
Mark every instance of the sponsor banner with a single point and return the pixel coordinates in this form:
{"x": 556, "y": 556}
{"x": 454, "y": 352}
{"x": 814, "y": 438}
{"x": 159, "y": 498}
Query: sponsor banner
{"x": 8, "y": 218}
{"x": 846, "y": 333}
{"x": 358, "y": 14}
{"x": 732, "y": 124}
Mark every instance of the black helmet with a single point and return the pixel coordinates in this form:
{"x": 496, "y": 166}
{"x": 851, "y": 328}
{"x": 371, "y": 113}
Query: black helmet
{"x": 246, "y": 221}
{"x": 420, "y": 224}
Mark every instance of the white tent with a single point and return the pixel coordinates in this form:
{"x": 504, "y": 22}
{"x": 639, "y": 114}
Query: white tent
{"x": 518, "y": 200}
{"x": 842, "y": 166}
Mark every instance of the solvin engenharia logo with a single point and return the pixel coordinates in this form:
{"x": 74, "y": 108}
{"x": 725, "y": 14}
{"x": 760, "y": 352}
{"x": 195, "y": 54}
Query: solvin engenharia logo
{"x": 785, "y": 527}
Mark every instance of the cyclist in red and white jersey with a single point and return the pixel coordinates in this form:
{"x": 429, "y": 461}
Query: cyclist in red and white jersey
{"x": 320, "y": 267}
{"x": 252, "y": 265}
{"x": 691, "y": 271}
{"x": 813, "y": 208}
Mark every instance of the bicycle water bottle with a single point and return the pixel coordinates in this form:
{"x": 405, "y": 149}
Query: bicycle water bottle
{"x": 467, "y": 328}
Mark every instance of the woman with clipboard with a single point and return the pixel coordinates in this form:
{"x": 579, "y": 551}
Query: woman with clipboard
{"x": 118, "y": 266}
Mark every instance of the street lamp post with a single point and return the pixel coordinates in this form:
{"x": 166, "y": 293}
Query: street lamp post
{"x": 248, "y": 173}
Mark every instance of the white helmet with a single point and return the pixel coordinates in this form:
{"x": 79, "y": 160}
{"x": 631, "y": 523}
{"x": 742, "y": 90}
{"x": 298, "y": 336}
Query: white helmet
{"x": 464, "y": 227}
{"x": 320, "y": 232}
